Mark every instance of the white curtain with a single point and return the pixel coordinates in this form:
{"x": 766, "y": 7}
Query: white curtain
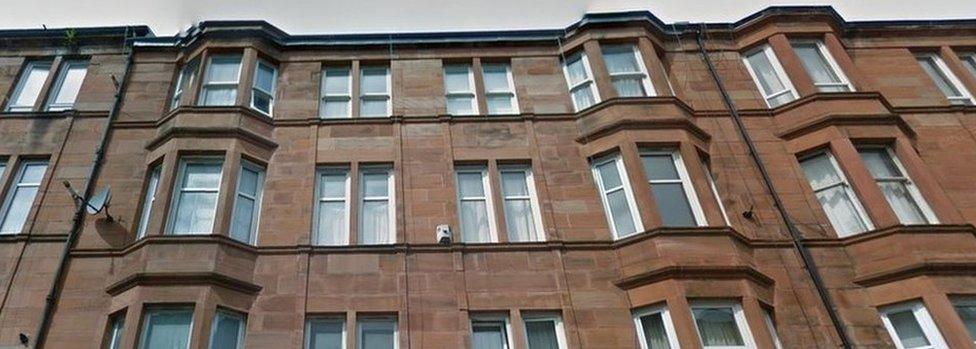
{"x": 377, "y": 334}
{"x": 541, "y": 335}
{"x": 167, "y": 329}
{"x": 226, "y": 332}
{"x": 909, "y": 332}
{"x": 488, "y": 336}
{"x": 814, "y": 62}
{"x": 654, "y": 332}
{"x": 717, "y": 327}
{"x": 325, "y": 335}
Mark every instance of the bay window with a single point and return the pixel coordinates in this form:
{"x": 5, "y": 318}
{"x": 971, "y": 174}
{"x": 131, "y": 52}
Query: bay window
{"x": 459, "y": 90}
{"x": 195, "y": 197}
{"x": 944, "y": 79}
{"x": 722, "y": 325}
{"x": 769, "y": 76}
{"x": 966, "y": 308}
{"x": 247, "y": 203}
{"x": 580, "y": 79}
{"x": 166, "y": 328}
{"x": 617, "y": 196}
{"x": 911, "y": 327}
{"x": 227, "y": 331}
{"x": 29, "y": 86}
{"x": 184, "y": 82}
{"x": 499, "y": 89}
{"x": 152, "y": 186}
{"x": 627, "y": 71}
{"x": 65, "y": 90}
{"x": 223, "y": 74}
{"x": 116, "y": 329}
{"x": 263, "y": 91}
{"x": 654, "y": 328}
{"x": 820, "y": 65}
{"x": 898, "y": 189}
{"x": 671, "y": 186}
{"x": 969, "y": 60}
{"x": 835, "y": 194}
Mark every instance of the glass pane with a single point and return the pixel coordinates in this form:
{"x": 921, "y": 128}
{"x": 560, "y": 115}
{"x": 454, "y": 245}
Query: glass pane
{"x": 375, "y": 225}
{"x": 909, "y": 332}
{"x": 261, "y": 101}
{"x": 820, "y": 171}
{"x": 242, "y": 222}
{"x": 660, "y": 167}
{"x": 629, "y": 87}
{"x": 970, "y": 63}
{"x": 335, "y": 108}
{"x": 202, "y": 176}
{"x": 673, "y": 205}
{"x": 519, "y": 220}
{"x": 763, "y": 68}
{"x": 325, "y": 334}
{"x": 264, "y": 78}
{"x": 227, "y": 331}
{"x": 474, "y": 222}
{"x": 115, "y": 333}
{"x": 576, "y": 70}
{"x": 332, "y": 226}
{"x": 471, "y": 185}
{"x": 217, "y": 96}
{"x": 541, "y": 335}
{"x": 815, "y": 63}
{"x": 717, "y": 327}
{"x": 781, "y": 99}
{"x": 500, "y": 104}
{"x": 496, "y": 77}
{"x": 71, "y": 83}
{"x": 488, "y": 336}
{"x": 514, "y": 183}
{"x": 879, "y": 163}
{"x": 841, "y": 212}
{"x": 33, "y": 173}
{"x": 376, "y": 184}
{"x": 968, "y": 315}
{"x": 609, "y": 175}
{"x": 333, "y": 185}
{"x": 620, "y": 59}
{"x": 31, "y": 83}
{"x": 224, "y": 69}
{"x": 834, "y": 88}
{"x": 374, "y": 107}
{"x": 167, "y": 329}
{"x": 377, "y": 334}
{"x": 195, "y": 213}
{"x": 622, "y": 219}
{"x": 373, "y": 81}
{"x": 16, "y": 215}
{"x": 336, "y": 81}
{"x": 902, "y": 202}
{"x": 584, "y": 97}
{"x": 931, "y": 68}
{"x": 654, "y": 332}
{"x": 248, "y": 181}
{"x": 456, "y": 78}
{"x": 460, "y": 105}
{"x": 187, "y": 74}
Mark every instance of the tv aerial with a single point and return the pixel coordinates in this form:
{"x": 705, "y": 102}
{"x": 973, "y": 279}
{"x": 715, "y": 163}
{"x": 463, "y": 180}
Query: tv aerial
{"x": 97, "y": 203}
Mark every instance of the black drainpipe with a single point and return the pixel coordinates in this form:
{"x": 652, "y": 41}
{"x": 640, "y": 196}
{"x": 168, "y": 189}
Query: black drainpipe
{"x": 79, "y": 217}
{"x": 798, "y": 241}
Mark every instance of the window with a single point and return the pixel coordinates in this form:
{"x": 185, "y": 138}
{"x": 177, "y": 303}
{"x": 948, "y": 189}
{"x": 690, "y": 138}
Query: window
{"x": 617, "y": 196}
{"x": 332, "y": 207}
{"x": 966, "y": 308}
{"x": 325, "y": 333}
{"x": 247, "y": 203}
{"x": 522, "y": 215}
{"x": 377, "y": 333}
{"x": 911, "y": 327}
{"x": 152, "y": 186}
{"x": 676, "y": 200}
{"x": 166, "y": 328}
{"x": 115, "y": 331}
{"x": 654, "y": 328}
{"x": 820, "y": 65}
{"x": 721, "y": 325}
{"x": 184, "y": 82}
{"x": 336, "y": 93}
{"x": 771, "y": 327}
{"x": 220, "y": 85}
{"x": 29, "y": 86}
{"x": 374, "y": 92}
{"x": 544, "y": 331}
{"x": 459, "y": 90}
{"x": 969, "y": 60}
{"x": 20, "y": 196}
{"x": 376, "y": 209}
{"x": 898, "y": 189}
{"x": 195, "y": 199}
{"x": 227, "y": 331}
{"x": 769, "y": 76}
{"x": 263, "y": 91}
{"x": 580, "y": 80}
{"x": 945, "y": 80}
{"x": 65, "y": 90}
{"x": 836, "y": 196}
{"x": 711, "y": 184}
{"x": 627, "y": 72}
{"x": 474, "y": 203}
{"x": 490, "y": 333}
{"x": 499, "y": 89}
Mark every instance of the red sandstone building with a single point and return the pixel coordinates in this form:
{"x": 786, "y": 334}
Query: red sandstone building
{"x": 791, "y": 180}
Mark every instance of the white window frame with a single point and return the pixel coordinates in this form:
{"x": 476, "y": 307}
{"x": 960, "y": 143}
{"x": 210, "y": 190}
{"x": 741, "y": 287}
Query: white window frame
{"x": 831, "y": 63}
{"x": 965, "y": 301}
{"x": 665, "y": 318}
{"x": 390, "y": 318}
{"x": 229, "y": 314}
{"x": 12, "y": 189}
{"x": 326, "y": 97}
{"x": 503, "y": 318}
{"x": 21, "y": 81}
{"x": 848, "y": 188}
{"x": 683, "y": 178}
{"x": 152, "y": 188}
{"x": 489, "y": 203}
{"x": 158, "y": 309}
{"x": 116, "y": 329}
{"x": 740, "y": 321}
{"x": 511, "y": 88}
{"x": 257, "y": 90}
{"x": 625, "y": 186}
{"x": 177, "y": 189}
{"x": 905, "y": 179}
{"x": 777, "y": 68}
{"x": 207, "y": 84}
{"x": 642, "y": 74}
{"x": 390, "y": 199}
{"x": 557, "y": 323}
{"x": 706, "y": 166}
{"x": 470, "y": 93}
{"x": 259, "y": 195}
{"x": 969, "y": 61}
{"x": 388, "y": 96}
{"x": 58, "y": 85}
{"x": 533, "y": 197}
{"x": 923, "y": 319}
{"x": 771, "y": 326}
{"x": 327, "y": 319}
{"x": 965, "y": 97}
{"x": 589, "y": 81}
{"x": 319, "y": 198}
{"x": 185, "y": 73}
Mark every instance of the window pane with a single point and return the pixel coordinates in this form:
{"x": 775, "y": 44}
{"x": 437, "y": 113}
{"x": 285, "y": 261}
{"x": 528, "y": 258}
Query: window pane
{"x": 500, "y": 104}
{"x": 488, "y": 335}
{"x": 70, "y": 84}
{"x": 335, "y": 108}
{"x": 815, "y": 63}
{"x": 622, "y": 219}
{"x": 460, "y": 105}
{"x": 780, "y": 100}
{"x": 519, "y": 220}
{"x": 195, "y": 213}
{"x": 576, "y": 70}
{"x": 374, "y": 107}
{"x": 456, "y": 79}
{"x": 514, "y": 183}
{"x": 471, "y": 184}
{"x": 167, "y": 329}
{"x": 224, "y": 69}
{"x": 496, "y": 77}
{"x": 609, "y": 175}
{"x": 902, "y": 202}
{"x": 332, "y": 223}
{"x": 672, "y": 204}
{"x": 620, "y": 59}
{"x": 629, "y": 87}
{"x": 474, "y": 221}
{"x": 261, "y": 101}
{"x": 227, "y": 332}
{"x": 931, "y": 68}
{"x": 116, "y": 332}
{"x": 375, "y": 225}
{"x": 660, "y": 167}
{"x": 820, "y": 171}
{"x": 30, "y": 84}
{"x": 264, "y": 78}
{"x": 541, "y": 335}
{"x": 325, "y": 334}
{"x": 970, "y": 63}
{"x": 717, "y": 327}
{"x": 249, "y": 181}
{"x": 377, "y": 334}
{"x": 217, "y": 96}
{"x": 763, "y": 68}
{"x": 654, "y": 332}
{"x": 20, "y": 197}
{"x": 376, "y": 184}
{"x": 202, "y": 176}
{"x": 584, "y": 97}
{"x": 968, "y": 315}
{"x": 909, "y": 332}
{"x": 841, "y": 212}
{"x": 333, "y": 185}
{"x": 879, "y": 163}
{"x": 242, "y": 223}
{"x": 336, "y": 81}
{"x": 33, "y": 173}
{"x": 374, "y": 81}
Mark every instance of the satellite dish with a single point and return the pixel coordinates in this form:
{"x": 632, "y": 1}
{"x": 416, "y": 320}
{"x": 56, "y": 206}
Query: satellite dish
{"x": 100, "y": 200}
